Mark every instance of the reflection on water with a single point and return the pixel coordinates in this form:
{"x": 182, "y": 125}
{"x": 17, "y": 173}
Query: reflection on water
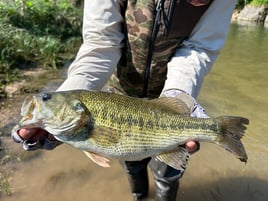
{"x": 235, "y": 86}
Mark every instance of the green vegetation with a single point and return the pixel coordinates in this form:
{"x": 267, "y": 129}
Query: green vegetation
{"x": 242, "y": 3}
{"x": 37, "y": 32}
{"x": 4, "y": 184}
{"x": 34, "y": 33}
{"x": 259, "y": 2}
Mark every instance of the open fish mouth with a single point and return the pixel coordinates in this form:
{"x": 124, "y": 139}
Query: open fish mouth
{"x": 29, "y": 109}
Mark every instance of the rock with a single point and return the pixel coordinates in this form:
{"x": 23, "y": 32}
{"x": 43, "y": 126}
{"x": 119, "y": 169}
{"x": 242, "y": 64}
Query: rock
{"x": 253, "y": 13}
{"x": 14, "y": 88}
{"x": 235, "y": 15}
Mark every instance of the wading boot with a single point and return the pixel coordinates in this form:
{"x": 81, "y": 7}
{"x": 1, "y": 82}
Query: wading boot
{"x": 138, "y": 178}
{"x": 166, "y": 180}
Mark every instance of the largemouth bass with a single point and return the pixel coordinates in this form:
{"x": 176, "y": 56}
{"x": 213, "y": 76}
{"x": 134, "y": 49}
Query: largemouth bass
{"x": 106, "y": 125}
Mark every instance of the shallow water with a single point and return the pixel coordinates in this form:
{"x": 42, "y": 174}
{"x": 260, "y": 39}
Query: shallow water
{"x": 236, "y": 86}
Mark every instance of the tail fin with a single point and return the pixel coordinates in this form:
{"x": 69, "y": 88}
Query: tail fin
{"x": 233, "y": 129}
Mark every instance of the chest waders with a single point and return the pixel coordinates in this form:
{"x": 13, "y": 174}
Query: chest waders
{"x": 154, "y": 29}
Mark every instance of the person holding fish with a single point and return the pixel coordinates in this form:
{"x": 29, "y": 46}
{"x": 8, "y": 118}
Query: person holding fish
{"x": 145, "y": 49}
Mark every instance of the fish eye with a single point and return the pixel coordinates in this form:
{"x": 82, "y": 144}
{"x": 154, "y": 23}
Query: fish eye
{"x": 46, "y": 96}
{"x": 78, "y": 106}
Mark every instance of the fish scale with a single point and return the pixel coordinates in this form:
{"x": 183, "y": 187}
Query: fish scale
{"x": 126, "y": 128}
{"x": 158, "y": 126}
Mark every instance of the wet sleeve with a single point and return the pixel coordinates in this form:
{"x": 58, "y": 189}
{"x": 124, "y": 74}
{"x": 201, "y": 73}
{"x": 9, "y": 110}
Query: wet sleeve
{"x": 101, "y": 48}
{"x": 195, "y": 57}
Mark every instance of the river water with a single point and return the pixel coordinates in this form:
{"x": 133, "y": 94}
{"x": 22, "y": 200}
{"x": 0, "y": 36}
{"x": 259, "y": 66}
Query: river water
{"x": 237, "y": 85}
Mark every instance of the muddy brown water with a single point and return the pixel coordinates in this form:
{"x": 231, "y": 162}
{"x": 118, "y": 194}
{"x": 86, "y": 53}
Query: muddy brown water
{"x": 237, "y": 85}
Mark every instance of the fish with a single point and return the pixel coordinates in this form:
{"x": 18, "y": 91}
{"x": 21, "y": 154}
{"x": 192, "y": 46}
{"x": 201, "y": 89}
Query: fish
{"x": 107, "y": 125}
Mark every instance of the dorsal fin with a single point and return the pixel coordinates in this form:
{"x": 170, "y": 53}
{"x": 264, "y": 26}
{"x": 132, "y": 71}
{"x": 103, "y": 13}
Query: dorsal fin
{"x": 173, "y": 104}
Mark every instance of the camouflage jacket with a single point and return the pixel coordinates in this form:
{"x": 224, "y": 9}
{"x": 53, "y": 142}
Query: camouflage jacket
{"x": 154, "y": 29}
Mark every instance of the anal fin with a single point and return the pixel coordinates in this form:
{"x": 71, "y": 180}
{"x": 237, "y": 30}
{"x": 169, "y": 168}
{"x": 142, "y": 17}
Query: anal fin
{"x": 178, "y": 159}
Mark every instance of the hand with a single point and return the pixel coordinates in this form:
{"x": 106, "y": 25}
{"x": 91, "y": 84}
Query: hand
{"x": 34, "y": 138}
{"x": 35, "y": 134}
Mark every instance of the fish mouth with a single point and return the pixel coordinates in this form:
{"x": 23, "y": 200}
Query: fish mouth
{"x": 29, "y": 108}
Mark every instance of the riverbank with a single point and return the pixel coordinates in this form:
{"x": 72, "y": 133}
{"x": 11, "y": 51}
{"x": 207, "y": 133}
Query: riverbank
{"x": 252, "y": 14}
{"x": 34, "y": 80}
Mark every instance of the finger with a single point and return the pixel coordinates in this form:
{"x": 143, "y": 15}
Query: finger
{"x": 191, "y": 146}
{"x": 27, "y": 133}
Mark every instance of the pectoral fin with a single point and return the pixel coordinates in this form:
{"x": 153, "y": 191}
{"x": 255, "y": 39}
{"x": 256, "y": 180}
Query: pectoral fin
{"x": 100, "y": 160}
{"x": 178, "y": 159}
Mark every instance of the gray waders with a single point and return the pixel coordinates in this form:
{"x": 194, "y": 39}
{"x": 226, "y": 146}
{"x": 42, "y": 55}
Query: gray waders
{"x": 166, "y": 179}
